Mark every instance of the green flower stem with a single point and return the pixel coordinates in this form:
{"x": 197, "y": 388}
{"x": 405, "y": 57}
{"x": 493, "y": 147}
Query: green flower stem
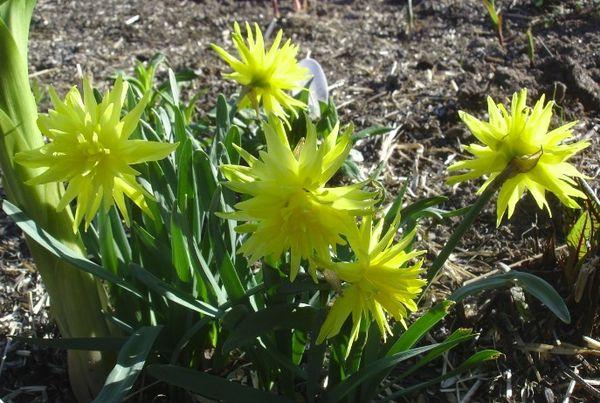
{"x": 77, "y": 300}
{"x": 467, "y": 221}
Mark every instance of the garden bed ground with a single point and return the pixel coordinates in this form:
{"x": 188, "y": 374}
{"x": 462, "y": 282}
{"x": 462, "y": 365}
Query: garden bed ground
{"x": 384, "y": 72}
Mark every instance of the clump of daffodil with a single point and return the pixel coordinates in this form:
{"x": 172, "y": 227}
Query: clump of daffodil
{"x": 380, "y": 280}
{"x": 290, "y": 206}
{"x": 90, "y": 149}
{"x": 267, "y": 76}
{"x": 521, "y": 137}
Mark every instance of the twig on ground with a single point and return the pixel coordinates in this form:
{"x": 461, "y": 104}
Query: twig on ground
{"x": 4, "y": 353}
{"x": 589, "y": 192}
{"x": 42, "y": 72}
{"x": 592, "y": 343}
{"x": 509, "y": 391}
{"x": 529, "y": 260}
{"x": 559, "y": 350}
{"x": 469, "y": 395}
{"x": 576, "y": 378}
{"x": 569, "y": 392}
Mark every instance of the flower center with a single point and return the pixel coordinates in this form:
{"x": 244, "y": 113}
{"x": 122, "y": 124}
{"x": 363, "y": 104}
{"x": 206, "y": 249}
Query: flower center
{"x": 92, "y": 149}
{"x": 299, "y": 214}
{"x": 260, "y": 79}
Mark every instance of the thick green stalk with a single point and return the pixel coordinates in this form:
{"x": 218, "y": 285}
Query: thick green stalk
{"x": 77, "y": 300}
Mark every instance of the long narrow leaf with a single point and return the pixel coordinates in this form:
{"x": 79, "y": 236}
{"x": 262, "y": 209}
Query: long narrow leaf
{"x": 396, "y": 206}
{"x": 211, "y": 386}
{"x": 171, "y": 293}
{"x": 288, "y": 316}
{"x": 371, "y": 131}
{"x": 229, "y": 276}
{"x": 407, "y": 340}
{"x": 381, "y": 365}
{"x": 52, "y": 245}
{"x": 180, "y": 253}
{"x": 475, "y": 360}
{"x": 187, "y": 336}
{"x": 108, "y": 251}
{"x": 459, "y": 336}
{"x": 534, "y": 285}
{"x": 420, "y": 327}
{"x": 201, "y": 267}
{"x": 130, "y": 363}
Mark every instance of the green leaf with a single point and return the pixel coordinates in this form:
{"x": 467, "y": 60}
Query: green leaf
{"x": 492, "y": 12}
{"x": 201, "y": 268}
{"x": 185, "y": 187}
{"x": 52, "y": 245}
{"x": 108, "y": 251}
{"x": 76, "y": 343}
{"x": 17, "y": 17}
{"x": 534, "y": 285}
{"x": 277, "y": 317}
{"x": 205, "y": 178}
{"x": 274, "y": 353}
{"x": 299, "y": 344}
{"x": 370, "y": 131}
{"x": 222, "y": 116}
{"x": 186, "y": 338}
{"x": 130, "y": 363}
{"x": 581, "y": 233}
{"x": 174, "y": 87}
{"x": 211, "y": 386}
{"x": 475, "y": 360}
{"x": 171, "y": 293}
{"x": 457, "y": 337}
{"x": 123, "y": 248}
{"x": 352, "y": 171}
{"x": 229, "y": 276}
{"x": 315, "y": 367}
{"x": 422, "y": 208}
{"x": 396, "y": 206}
{"x": 180, "y": 253}
{"x": 233, "y": 137}
{"x": 152, "y": 249}
{"x": 464, "y": 225}
{"x": 408, "y": 339}
{"x": 355, "y": 380}
{"x": 420, "y": 327}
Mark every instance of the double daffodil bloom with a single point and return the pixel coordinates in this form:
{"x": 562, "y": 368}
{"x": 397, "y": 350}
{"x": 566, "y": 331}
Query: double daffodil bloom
{"x": 266, "y": 76}
{"x": 90, "y": 149}
{"x": 290, "y": 207}
{"x": 521, "y": 137}
{"x": 380, "y": 280}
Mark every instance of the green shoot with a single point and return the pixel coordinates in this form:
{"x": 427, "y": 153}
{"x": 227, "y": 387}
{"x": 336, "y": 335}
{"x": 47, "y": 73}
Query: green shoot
{"x": 496, "y": 18}
{"x": 530, "y": 47}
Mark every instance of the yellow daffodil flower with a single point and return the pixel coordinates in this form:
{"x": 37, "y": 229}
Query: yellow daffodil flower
{"x": 90, "y": 149}
{"x": 290, "y": 207}
{"x": 380, "y": 280}
{"x": 521, "y": 137}
{"x": 267, "y": 76}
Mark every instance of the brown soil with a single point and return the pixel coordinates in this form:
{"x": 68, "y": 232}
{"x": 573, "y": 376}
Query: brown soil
{"x": 386, "y": 73}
